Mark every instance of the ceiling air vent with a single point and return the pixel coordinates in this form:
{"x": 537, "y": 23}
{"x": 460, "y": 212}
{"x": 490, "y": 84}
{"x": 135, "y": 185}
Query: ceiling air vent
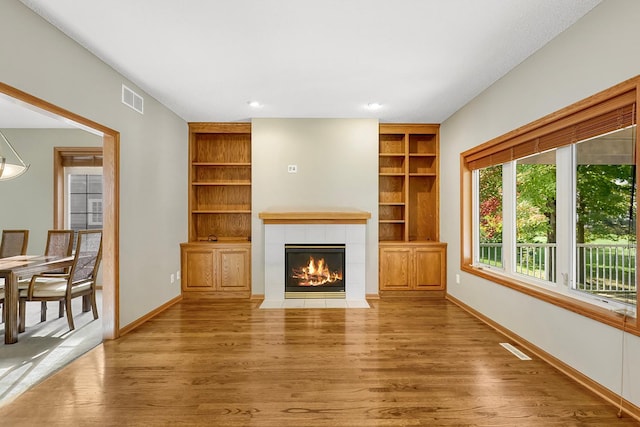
{"x": 132, "y": 99}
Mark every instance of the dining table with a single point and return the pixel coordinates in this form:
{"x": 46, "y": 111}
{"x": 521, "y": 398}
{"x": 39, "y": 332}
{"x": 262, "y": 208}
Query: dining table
{"x": 23, "y": 266}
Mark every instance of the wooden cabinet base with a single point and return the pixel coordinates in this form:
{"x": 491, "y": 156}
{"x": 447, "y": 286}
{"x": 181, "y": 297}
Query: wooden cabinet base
{"x": 217, "y": 270}
{"x": 415, "y": 268}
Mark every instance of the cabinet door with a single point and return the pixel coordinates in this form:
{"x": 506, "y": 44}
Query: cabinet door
{"x": 395, "y": 268}
{"x": 429, "y": 268}
{"x": 234, "y": 269}
{"x": 197, "y": 266}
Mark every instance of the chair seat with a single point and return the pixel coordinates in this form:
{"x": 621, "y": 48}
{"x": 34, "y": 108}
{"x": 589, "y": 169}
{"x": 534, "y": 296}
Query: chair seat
{"x": 83, "y": 271}
{"x": 54, "y": 287}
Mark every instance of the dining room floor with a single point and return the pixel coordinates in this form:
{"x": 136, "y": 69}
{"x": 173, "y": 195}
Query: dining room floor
{"x": 45, "y": 347}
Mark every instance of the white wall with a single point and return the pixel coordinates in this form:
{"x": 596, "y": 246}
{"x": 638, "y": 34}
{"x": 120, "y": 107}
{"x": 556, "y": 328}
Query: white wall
{"x": 31, "y": 194}
{"x": 40, "y": 60}
{"x": 337, "y": 163}
{"x": 597, "y": 52}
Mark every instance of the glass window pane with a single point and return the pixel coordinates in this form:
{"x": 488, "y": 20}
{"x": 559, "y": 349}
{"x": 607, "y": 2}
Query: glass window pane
{"x": 77, "y": 184}
{"x": 535, "y": 254}
{"x": 94, "y": 184}
{"x": 78, "y": 203}
{"x": 490, "y": 216}
{"x": 606, "y": 216}
{"x": 85, "y": 201}
{"x": 78, "y": 221}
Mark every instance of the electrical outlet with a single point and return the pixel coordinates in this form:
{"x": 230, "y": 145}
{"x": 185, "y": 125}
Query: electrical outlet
{"x": 178, "y": 274}
{"x": 173, "y": 278}
{"x": 457, "y": 279}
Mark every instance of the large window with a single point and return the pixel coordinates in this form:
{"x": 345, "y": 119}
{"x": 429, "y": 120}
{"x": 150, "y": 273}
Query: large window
{"x": 550, "y": 209}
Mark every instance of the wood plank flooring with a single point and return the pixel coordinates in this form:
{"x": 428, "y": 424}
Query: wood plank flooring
{"x": 419, "y": 362}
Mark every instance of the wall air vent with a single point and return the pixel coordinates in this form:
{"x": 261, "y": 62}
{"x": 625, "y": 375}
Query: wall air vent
{"x": 132, "y": 99}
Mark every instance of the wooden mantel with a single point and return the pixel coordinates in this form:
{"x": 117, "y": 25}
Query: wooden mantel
{"x": 314, "y": 216}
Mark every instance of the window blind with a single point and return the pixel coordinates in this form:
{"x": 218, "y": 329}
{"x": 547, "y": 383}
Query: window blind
{"x": 555, "y": 131}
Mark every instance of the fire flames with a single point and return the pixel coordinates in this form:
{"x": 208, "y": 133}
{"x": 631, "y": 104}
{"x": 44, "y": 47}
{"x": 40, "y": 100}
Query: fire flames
{"x": 316, "y": 274}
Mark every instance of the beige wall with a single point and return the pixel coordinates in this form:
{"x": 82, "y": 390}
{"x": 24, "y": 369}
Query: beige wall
{"x": 31, "y": 194}
{"x": 597, "y": 52}
{"x": 337, "y": 163}
{"x": 40, "y": 60}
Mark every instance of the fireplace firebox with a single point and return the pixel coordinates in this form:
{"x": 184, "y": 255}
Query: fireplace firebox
{"x": 314, "y": 270}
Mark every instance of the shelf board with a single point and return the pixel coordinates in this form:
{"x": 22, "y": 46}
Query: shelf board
{"x": 391, "y": 174}
{"x": 243, "y": 164}
{"x": 391, "y": 154}
{"x": 221, "y": 240}
{"x": 391, "y": 204}
{"x": 422, "y": 154}
{"x": 391, "y": 221}
{"x": 427, "y": 174}
{"x": 223, "y": 183}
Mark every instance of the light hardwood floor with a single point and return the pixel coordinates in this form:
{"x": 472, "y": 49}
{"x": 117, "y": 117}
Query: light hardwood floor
{"x": 227, "y": 363}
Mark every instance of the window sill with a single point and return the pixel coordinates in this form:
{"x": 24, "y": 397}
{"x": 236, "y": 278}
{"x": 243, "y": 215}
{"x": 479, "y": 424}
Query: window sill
{"x": 603, "y": 315}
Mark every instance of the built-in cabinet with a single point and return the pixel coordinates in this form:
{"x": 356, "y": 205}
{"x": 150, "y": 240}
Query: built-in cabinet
{"x": 412, "y": 266}
{"x": 222, "y": 269}
{"x": 217, "y": 257}
{"x": 411, "y": 256}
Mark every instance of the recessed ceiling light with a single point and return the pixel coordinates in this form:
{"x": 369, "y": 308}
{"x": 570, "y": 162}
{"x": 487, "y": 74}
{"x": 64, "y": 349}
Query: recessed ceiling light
{"x": 374, "y": 106}
{"x": 254, "y": 104}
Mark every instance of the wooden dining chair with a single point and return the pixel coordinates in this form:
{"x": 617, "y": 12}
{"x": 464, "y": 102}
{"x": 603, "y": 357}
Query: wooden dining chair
{"x": 79, "y": 281}
{"x": 14, "y": 242}
{"x": 59, "y": 243}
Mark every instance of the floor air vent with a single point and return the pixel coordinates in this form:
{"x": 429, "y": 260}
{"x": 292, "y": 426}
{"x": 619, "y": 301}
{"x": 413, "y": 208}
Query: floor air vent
{"x": 520, "y": 355}
{"x": 132, "y": 99}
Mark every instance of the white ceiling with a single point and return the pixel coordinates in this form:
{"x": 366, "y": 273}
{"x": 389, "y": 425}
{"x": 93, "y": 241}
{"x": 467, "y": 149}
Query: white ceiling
{"x": 206, "y": 59}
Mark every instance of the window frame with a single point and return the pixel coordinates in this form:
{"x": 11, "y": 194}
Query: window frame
{"x": 67, "y": 157}
{"x": 529, "y": 139}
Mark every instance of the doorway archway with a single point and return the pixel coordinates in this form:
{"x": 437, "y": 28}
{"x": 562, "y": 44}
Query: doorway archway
{"x": 111, "y": 197}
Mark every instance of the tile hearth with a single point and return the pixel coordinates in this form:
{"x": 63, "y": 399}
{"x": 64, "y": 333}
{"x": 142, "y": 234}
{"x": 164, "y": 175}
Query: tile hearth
{"x": 314, "y": 303}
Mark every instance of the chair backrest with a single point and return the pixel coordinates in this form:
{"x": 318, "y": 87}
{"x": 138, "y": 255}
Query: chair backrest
{"x": 14, "y": 242}
{"x": 59, "y": 243}
{"x": 87, "y": 257}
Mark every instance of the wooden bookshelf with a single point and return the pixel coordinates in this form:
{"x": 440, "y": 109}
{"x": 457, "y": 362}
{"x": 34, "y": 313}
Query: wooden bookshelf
{"x": 216, "y": 262}
{"x": 220, "y": 182}
{"x": 411, "y": 257}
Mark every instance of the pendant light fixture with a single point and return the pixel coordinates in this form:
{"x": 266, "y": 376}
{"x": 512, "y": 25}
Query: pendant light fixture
{"x": 10, "y": 168}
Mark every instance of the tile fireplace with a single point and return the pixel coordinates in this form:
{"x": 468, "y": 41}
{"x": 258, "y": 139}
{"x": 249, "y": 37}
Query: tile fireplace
{"x": 335, "y": 237}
